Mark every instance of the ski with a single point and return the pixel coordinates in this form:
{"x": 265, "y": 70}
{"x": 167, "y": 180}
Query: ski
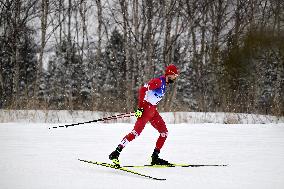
{"x": 175, "y": 165}
{"x": 120, "y": 168}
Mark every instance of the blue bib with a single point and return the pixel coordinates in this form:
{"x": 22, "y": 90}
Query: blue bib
{"x": 155, "y": 96}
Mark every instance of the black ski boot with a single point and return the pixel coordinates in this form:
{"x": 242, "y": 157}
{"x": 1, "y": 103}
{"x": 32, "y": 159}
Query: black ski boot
{"x": 115, "y": 155}
{"x": 158, "y": 161}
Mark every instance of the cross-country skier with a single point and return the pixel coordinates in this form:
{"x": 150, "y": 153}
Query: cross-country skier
{"x": 149, "y": 96}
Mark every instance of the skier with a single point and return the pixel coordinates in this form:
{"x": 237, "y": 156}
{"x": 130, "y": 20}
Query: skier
{"x": 149, "y": 96}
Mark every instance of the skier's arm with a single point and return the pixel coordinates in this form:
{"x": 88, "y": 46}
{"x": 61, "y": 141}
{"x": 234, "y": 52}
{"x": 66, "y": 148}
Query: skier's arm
{"x": 142, "y": 93}
{"x": 152, "y": 85}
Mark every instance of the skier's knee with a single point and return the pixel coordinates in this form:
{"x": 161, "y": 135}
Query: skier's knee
{"x": 135, "y": 133}
{"x": 164, "y": 134}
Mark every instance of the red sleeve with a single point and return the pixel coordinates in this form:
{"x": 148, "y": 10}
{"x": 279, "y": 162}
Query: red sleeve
{"x": 152, "y": 85}
{"x": 142, "y": 93}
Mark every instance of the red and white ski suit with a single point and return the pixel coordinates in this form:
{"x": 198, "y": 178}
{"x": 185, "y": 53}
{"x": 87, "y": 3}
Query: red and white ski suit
{"x": 149, "y": 96}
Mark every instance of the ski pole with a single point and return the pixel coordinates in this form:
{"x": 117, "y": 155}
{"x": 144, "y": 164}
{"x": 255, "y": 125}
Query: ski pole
{"x": 123, "y": 115}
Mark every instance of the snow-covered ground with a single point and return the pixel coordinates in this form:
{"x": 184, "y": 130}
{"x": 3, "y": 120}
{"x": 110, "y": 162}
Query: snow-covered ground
{"x": 33, "y": 156}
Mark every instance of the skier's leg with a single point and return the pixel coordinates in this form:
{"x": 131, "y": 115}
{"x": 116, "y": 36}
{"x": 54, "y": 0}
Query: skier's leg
{"x": 159, "y": 124}
{"x": 138, "y": 128}
{"x": 148, "y": 113}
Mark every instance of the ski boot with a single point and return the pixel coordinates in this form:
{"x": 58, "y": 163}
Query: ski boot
{"x": 115, "y": 155}
{"x": 158, "y": 161}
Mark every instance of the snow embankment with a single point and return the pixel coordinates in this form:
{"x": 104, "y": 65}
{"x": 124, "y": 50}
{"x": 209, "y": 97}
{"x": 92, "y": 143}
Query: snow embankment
{"x": 65, "y": 116}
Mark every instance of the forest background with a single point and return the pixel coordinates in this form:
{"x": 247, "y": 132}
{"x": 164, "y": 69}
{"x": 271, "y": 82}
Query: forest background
{"x": 95, "y": 54}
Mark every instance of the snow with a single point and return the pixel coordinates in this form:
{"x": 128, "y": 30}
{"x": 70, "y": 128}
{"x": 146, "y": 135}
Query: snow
{"x": 33, "y": 156}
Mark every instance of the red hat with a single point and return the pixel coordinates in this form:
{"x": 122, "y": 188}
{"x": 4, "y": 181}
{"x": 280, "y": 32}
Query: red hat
{"x": 171, "y": 70}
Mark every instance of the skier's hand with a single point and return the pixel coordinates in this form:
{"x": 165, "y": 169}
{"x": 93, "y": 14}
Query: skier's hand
{"x": 138, "y": 112}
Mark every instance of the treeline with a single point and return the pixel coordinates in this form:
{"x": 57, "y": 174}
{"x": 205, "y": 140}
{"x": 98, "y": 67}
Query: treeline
{"x": 94, "y": 54}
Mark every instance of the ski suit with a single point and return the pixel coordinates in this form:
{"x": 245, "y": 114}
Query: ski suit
{"x": 149, "y": 96}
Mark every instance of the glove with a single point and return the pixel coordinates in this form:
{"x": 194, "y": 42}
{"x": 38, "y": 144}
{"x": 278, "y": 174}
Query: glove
{"x": 138, "y": 112}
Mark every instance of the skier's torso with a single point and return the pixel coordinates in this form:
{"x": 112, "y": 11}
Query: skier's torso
{"x": 156, "y": 95}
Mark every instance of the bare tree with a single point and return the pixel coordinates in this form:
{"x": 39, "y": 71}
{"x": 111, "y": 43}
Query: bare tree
{"x": 149, "y": 40}
{"x": 44, "y": 14}
{"x": 100, "y": 24}
{"x": 124, "y": 9}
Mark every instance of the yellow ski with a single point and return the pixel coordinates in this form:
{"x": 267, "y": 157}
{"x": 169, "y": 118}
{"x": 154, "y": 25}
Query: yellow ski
{"x": 120, "y": 168}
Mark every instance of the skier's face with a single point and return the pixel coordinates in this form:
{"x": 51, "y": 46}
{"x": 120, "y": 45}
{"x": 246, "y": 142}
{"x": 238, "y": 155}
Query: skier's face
{"x": 171, "y": 78}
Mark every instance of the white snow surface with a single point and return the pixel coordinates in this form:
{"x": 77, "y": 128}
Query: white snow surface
{"x": 33, "y": 156}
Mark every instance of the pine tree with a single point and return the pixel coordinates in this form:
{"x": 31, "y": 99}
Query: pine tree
{"x": 67, "y": 76}
{"x": 113, "y": 68}
{"x": 27, "y": 64}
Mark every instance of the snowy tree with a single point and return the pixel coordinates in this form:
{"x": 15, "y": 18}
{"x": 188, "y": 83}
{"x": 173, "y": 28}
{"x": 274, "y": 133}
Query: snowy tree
{"x": 113, "y": 68}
